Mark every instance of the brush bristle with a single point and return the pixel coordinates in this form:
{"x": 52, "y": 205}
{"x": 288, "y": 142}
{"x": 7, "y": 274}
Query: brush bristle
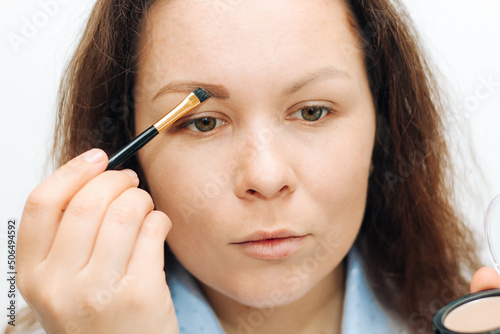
{"x": 201, "y": 94}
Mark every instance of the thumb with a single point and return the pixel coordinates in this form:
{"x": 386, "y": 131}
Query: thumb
{"x": 484, "y": 279}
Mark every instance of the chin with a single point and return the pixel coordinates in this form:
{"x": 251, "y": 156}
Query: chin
{"x": 273, "y": 290}
{"x": 269, "y": 298}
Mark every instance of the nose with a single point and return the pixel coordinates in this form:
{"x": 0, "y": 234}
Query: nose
{"x": 264, "y": 169}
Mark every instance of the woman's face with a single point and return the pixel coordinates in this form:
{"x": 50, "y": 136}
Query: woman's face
{"x": 284, "y": 145}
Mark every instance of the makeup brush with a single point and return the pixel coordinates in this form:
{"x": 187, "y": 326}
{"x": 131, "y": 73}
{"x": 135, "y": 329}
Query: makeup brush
{"x": 193, "y": 100}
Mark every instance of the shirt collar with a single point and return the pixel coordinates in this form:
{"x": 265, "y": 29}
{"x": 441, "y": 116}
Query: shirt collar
{"x": 362, "y": 311}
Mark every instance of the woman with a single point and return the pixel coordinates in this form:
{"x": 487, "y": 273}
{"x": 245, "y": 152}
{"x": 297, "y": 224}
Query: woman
{"x": 307, "y": 195}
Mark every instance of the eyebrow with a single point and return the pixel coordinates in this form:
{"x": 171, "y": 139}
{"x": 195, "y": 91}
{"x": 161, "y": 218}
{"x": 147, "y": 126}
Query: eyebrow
{"x": 322, "y": 74}
{"x": 216, "y": 91}
{"x": 221, "y": 92}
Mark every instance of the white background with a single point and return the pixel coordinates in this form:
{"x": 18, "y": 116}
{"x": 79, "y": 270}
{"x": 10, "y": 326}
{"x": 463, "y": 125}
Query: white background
{"x": 463, "y": 38}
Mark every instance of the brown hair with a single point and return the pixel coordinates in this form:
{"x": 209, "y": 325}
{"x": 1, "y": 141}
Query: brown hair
{"x": 416, "y": 248}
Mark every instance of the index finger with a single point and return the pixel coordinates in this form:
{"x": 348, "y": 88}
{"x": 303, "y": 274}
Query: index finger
{"x": 46, "y": 203}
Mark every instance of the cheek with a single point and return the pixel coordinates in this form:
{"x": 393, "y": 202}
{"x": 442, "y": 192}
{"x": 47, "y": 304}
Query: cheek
{"x": 189, "y": 189}
{"x": 337, "y": 179}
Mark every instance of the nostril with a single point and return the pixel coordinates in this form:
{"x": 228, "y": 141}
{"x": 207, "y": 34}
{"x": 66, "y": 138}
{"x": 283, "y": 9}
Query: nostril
{"x": 252, "y": 192}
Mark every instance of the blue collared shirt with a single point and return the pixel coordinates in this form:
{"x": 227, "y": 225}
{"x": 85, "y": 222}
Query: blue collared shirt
{"x": 362, "y": 313}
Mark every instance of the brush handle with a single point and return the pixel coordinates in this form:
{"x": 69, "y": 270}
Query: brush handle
{"x": 131, "y": 148}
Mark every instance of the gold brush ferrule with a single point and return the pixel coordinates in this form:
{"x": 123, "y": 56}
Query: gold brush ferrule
{"x": 186, "y": 105}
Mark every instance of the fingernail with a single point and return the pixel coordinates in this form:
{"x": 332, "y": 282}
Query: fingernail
{"x": 94, "y": 156}
{"x": 130, "y": 172}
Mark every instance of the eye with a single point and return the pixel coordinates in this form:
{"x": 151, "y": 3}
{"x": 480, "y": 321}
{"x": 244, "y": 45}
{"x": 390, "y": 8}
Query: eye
{"x": 202, "y": 124}
{"x": 312, "y": 113}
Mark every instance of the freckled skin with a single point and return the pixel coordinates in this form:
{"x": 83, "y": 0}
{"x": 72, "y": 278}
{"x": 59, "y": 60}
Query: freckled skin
{"x": 266, "y": 165}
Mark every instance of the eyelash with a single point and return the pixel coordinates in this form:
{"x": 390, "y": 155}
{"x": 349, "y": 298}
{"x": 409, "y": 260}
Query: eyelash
{"x": 324, "y": 112}
{"x": 194, "y": 120}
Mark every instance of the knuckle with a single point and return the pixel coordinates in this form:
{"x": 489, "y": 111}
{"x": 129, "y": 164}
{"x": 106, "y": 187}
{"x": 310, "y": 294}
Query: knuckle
{"x": 157, "y": 224}
{"x": 48, "y": 300}
{"x": 23, "y": 284}
{"x": 38, "y": 293}
{"x": 71, "y": 168}
{"x": 132, "y": 202}
{"x": 80, "y": 209}
{"x": 145, "y": 197}
{"x": 36, "y": 202}
{"x": 119, "y": 176}
{"x": 138, "y": 198}
{"x": 120, "y": 214}
{"x": 160, "y": 216}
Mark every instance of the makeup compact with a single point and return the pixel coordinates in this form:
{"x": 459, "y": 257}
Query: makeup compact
{"x": 477, "y": 313}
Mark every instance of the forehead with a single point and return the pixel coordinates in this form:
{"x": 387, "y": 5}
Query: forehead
{"x": 213, "y": 38}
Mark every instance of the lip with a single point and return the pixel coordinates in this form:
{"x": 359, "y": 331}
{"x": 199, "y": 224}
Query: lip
{"x": 271, "y": 245}
{"x": 264, "y": 235}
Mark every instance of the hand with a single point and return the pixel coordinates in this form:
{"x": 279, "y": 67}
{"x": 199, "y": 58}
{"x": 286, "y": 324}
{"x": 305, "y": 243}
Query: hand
{"x": 484, "y": 279}
{"x": 90, "y": 252}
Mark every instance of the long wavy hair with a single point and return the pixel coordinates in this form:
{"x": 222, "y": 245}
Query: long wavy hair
{"x": 418, "y": 253}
